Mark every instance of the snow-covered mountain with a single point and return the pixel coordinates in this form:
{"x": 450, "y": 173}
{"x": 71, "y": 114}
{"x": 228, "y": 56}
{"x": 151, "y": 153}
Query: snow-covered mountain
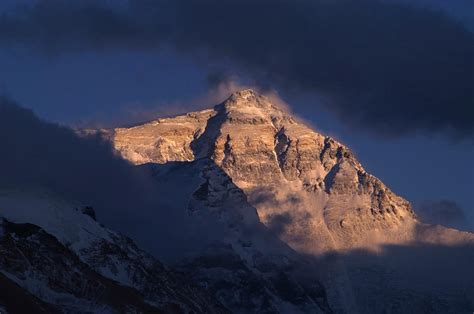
{"x": 310, "y": 191}
{"x": 189, "y": 214}
{"x": 288, "y": 171}
{"x": 60, "y": 259}
{"x": 252, "y": 212}
{"x": 246, "y": 266}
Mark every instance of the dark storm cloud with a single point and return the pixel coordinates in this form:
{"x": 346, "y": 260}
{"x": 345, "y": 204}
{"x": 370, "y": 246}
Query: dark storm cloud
{"x": 384, "y": 67}
{"x": 36, "y": 154}
{"x": 45, "y": 156}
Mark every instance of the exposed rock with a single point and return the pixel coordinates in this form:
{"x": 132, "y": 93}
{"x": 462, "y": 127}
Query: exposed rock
{"x": 262, "y": 147}
{"x": 263, "y": 286}
{"x": 162, "y": 140}
{"x": 307, "y": 188}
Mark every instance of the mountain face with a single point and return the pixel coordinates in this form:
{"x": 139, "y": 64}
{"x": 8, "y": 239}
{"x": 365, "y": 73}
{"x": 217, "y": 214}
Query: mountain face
{"x": 311, "y": 193}
{"x": 258, "y": 213}
{"x": 55, "y": 257}
{"x": 246, "y": 267}
{"x": 287, "y": 171}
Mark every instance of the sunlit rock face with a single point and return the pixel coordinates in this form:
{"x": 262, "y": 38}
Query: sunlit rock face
{"x": 364, "y": 242}
{"x": 288, "y": 171}
{"x": 162, "y": 140}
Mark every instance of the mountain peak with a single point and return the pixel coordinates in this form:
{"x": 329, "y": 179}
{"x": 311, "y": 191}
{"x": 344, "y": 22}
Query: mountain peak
{"x": 244, "y": 94}
{"x": 245, "y": 98}
{"x": 251, "y": 103}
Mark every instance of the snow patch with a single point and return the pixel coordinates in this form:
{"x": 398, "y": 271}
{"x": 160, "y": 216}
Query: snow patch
{"x": 56, "y": 216}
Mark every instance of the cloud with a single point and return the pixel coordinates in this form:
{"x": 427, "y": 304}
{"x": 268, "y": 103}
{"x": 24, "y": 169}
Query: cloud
{"x": 446, "y": 213}
{"x": 388, "y": 68}
{"x": 220, "y": 86}
{"x": 45, "y": 156}
{"x": 36, "y": 154}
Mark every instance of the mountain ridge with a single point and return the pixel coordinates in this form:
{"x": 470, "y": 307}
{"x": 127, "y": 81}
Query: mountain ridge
{"x": 247, "y": 203}
{"x": 310, "y": 191}
{"x": 258, "y": 144}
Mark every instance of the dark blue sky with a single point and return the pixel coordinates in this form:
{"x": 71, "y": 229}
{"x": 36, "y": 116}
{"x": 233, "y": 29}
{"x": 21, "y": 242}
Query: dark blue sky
{"x": 117, "y": 86}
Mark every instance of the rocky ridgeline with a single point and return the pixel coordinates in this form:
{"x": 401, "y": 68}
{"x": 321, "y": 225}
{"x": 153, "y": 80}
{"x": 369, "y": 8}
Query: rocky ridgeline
{"x": 162, "y": 140}
{"x": 265, "y": 151}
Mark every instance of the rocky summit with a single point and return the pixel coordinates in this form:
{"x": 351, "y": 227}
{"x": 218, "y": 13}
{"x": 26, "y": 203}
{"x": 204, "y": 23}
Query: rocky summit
{"x": 288, "y": 171}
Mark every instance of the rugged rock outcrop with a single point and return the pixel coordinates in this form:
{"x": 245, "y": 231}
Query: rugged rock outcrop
{"x": 285, "y": 168}
{"x": 310, "y": 191}
{"x": 162, "y": 140}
